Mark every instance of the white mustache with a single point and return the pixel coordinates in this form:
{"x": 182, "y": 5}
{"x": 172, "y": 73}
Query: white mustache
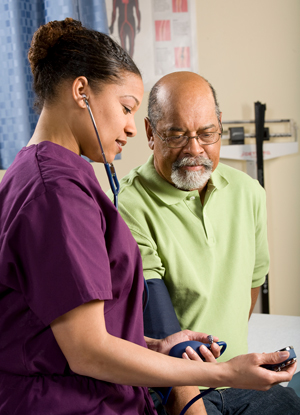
{"x": 192, "y": 161}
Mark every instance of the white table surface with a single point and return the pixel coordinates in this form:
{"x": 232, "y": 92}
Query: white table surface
{"x": 268, "y": 333}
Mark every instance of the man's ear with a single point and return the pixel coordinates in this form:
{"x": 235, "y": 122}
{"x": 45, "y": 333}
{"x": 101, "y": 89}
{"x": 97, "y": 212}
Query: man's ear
{"x": 221, "y": 126}
{"x": 80, "y": 87}
{"x": 149, "y": 132}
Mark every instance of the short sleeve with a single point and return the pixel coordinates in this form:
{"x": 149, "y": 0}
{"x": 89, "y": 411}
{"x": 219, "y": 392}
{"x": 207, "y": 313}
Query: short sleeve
{"x": 59, "y": 245}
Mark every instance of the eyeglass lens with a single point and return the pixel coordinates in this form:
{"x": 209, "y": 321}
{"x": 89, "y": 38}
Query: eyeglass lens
{"x": 181, "y": 141}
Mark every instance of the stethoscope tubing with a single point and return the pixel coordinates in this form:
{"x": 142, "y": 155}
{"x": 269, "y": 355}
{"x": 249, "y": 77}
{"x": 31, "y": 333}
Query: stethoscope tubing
{"x": 109, "y": 167}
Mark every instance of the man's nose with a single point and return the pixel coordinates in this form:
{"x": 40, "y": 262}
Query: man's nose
{"x": 193, "y": 147}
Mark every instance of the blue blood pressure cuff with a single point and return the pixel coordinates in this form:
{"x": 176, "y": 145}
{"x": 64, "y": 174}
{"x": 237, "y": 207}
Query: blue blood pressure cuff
{"x": 160, "y": 319}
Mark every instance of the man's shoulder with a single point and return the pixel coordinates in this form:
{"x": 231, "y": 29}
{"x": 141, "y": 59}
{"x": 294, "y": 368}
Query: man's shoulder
{"x": 236, "y": 177}
{"x": 231, "y": 172}
{"x": 132, "y": 187}
{"x": 132, "y": 182}
{"x": 136, "y": 203}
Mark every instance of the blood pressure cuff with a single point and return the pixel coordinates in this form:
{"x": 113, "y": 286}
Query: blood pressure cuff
{"x": 160, "y": 319}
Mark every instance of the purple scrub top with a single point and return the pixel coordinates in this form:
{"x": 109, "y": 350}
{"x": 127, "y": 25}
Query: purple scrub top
{"x": 62, "y": 244}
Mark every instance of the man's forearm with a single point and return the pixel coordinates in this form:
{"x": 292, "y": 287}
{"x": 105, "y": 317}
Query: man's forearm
{"x": 180, "y": 396}
{"x": 254, "y": 296}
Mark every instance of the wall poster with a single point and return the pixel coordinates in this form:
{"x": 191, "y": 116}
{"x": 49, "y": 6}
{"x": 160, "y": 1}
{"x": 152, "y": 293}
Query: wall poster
{"x": 160, "y": 35}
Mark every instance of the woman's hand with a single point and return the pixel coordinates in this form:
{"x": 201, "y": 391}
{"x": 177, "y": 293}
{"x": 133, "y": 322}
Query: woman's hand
{"x": 209, "y": 355}
{"x": 245, "y": 371}
{"x": 164, "y": 345}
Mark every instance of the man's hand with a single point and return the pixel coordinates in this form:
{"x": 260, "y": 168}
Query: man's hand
{"x": 180, "y": 396}
{"x": 164, "y": 345}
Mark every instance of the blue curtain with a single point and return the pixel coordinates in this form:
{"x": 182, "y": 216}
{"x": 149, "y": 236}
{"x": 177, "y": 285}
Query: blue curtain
{"x": 19, "y": 19}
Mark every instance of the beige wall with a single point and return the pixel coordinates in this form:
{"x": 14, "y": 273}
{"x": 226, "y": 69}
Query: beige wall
{"x": 250, "y": 52}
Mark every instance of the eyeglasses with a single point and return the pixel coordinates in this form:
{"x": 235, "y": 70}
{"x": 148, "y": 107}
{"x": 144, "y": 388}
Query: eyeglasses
{"x": 178, "y": 141}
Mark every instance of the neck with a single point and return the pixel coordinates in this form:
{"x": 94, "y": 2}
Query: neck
{"x": 202, "y": 193}
{"x": 53, "y": 125}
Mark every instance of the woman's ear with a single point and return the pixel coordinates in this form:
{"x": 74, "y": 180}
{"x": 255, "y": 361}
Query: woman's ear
{"x": 149, "y": 132}
{"x": 80, "y": 87}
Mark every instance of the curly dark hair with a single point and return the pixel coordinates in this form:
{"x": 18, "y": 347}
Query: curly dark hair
{"x": 62, "y": 50}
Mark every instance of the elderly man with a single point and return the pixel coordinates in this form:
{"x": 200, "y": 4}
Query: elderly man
{"x": 202, "y": 231}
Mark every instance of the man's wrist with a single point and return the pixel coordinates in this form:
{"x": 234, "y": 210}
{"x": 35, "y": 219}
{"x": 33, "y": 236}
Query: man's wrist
{"x": 153, "y": 344}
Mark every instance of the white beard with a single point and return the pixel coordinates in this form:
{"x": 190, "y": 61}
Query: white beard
{"x": 191, "y": 180}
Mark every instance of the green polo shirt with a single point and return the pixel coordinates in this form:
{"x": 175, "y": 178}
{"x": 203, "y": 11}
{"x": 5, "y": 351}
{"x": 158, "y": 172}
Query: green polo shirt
{"x": 209, "y": 256}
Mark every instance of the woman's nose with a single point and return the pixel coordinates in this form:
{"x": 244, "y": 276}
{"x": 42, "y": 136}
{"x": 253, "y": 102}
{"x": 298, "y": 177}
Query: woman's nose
{"x": 130, "y": 127}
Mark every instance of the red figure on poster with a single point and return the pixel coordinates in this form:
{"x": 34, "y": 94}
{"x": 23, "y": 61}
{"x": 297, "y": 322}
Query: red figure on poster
{"x": 126, "y": 22}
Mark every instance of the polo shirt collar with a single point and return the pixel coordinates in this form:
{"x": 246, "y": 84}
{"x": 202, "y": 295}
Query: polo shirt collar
{"x": 168, "y": 193}
{"x": 217, "y": 180}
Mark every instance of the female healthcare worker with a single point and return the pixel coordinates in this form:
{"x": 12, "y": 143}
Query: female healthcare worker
{"x": 71, "y": 278}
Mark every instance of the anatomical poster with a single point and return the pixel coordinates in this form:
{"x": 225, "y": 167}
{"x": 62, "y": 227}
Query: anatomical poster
{"x": 160, "y": 35}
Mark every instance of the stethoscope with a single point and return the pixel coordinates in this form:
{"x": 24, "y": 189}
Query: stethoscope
{"x": 109, "y": 167}
{"x": 114, "y": 184}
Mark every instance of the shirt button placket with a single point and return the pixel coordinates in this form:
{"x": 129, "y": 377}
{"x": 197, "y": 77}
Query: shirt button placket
{"x": 208, "y": 229}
